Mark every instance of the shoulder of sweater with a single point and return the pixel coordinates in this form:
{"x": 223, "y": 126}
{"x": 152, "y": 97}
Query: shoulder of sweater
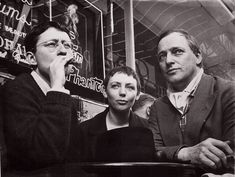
{"x": 97, "y": 118}
{"x": 23, "y": 82}
{"x": 23, "y": 78}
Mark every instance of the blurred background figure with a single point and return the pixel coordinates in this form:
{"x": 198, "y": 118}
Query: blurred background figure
{"x": 142, "y": 105}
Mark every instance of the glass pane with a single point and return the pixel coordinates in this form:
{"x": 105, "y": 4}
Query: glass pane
{"x": 211, "y": 22}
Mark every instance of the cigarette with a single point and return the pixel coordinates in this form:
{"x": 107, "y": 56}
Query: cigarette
{"x": 72, "y": 61}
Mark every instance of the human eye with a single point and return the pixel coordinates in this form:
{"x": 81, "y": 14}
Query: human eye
{"x": 130, "y": 87}
{"x": 161, "y": 56}
{"x": 67, "y": 45}
{"x": 115, "y": 86}
{"x": 51, "y": 44}
{"x": 177, "y": 51}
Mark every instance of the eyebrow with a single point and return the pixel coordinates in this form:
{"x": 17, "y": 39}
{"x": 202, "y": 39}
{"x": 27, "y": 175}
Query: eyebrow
{"x": 171, "y": 49}
{"x": 161, "y": 52}
{"x": 117, "y": 82}
{"x": 130, "y": 84}
{"x": 55, "y": 40}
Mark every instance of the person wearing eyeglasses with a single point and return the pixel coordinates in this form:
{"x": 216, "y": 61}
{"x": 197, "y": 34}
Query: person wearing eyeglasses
{"x": 41, "y": 126}
{"x": 195, "y": 121}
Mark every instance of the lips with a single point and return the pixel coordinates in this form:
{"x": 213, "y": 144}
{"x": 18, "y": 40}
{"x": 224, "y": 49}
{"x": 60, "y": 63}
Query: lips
{"x": 122, "y": 102}
{"x": 172, "y": 70}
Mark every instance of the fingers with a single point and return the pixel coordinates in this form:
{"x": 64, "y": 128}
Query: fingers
{"x": 212, "y": 158}
{"x": 223, "y": 145}
{"x": 63, "y": 60}
{"x": 56, "y": 66}
{"x": 57, "y": 72}
{"x": 207, "y": 159}
{"x": 220, "y": 157}
{"x": 59, "y": 63}
{"x": 213, "y": 153}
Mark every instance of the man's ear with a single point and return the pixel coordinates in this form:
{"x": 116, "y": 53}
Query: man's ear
{"x": 199, "y": 58}
{"x": 148, "y": 110}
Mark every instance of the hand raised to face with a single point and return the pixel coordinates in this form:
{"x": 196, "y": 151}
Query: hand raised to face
{"x": 53, "y": 52}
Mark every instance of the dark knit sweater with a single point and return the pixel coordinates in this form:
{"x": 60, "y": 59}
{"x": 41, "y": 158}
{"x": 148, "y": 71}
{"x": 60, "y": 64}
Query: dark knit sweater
{"x": 96, "y": 126}
{"x": 40, "y": 130}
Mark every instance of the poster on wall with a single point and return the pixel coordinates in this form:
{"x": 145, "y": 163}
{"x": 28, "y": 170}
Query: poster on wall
{"x": 84, "y": 21}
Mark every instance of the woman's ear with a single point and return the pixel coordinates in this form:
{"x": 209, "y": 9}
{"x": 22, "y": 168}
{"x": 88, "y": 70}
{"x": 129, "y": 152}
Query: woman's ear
{"x": 105, "y": 94}
{"x": 31, "y": 59}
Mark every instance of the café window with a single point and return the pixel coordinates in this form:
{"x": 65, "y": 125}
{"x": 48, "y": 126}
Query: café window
{"x": 212, "y": 23}
{"x": 84, "y": 21}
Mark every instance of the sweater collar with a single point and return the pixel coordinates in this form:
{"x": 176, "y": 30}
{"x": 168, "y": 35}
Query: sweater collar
{"x": 41, "y": 83}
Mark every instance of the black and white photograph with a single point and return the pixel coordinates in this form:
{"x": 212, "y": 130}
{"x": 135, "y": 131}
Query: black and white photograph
{"x": 117, "y": 88}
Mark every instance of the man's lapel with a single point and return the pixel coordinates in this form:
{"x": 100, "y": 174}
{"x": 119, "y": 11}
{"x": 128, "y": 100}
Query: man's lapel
{"x": 200, "y": 107}
{"x": 203, "y": 101}
{"x": 168, "y": 118}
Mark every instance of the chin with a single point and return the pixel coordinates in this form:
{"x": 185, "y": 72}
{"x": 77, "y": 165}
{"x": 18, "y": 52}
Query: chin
{"x": 123, "y": 109}
{"x": 174, "y": 79}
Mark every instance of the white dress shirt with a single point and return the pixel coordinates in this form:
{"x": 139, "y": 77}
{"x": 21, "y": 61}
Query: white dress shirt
{"x": 180, "y": 100}
{"x": 44, "y": 86}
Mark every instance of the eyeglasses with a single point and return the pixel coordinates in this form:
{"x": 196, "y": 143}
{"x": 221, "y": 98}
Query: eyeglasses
{"x": 54, "y": 44}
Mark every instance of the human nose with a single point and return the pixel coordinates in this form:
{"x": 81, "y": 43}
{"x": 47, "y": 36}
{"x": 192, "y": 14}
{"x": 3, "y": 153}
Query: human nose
{"x": 122, "y": 91}
{"x": 61, "y": 47}
{"x": 169, "y": 58}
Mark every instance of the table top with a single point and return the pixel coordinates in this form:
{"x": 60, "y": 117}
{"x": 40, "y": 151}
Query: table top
{"x": 114, "y": 169}
{"x": 136, "y": 164}
{"x": 138, "y": 169}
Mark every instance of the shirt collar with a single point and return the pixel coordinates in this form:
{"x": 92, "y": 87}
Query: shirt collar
{"x": 194, "y": 83}
{"x": 110, "y": 125}
{"x": 191, "y": 86}
{"x": 41, "y": 82}
{"x": 180, "y": 100}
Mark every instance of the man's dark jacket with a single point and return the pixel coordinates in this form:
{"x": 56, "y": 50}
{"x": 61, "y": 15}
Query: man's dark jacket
{"x": 211, "y": 115}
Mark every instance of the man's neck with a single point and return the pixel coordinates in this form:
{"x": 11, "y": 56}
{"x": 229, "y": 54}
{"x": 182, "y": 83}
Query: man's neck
{"x": 181, "y": 86}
